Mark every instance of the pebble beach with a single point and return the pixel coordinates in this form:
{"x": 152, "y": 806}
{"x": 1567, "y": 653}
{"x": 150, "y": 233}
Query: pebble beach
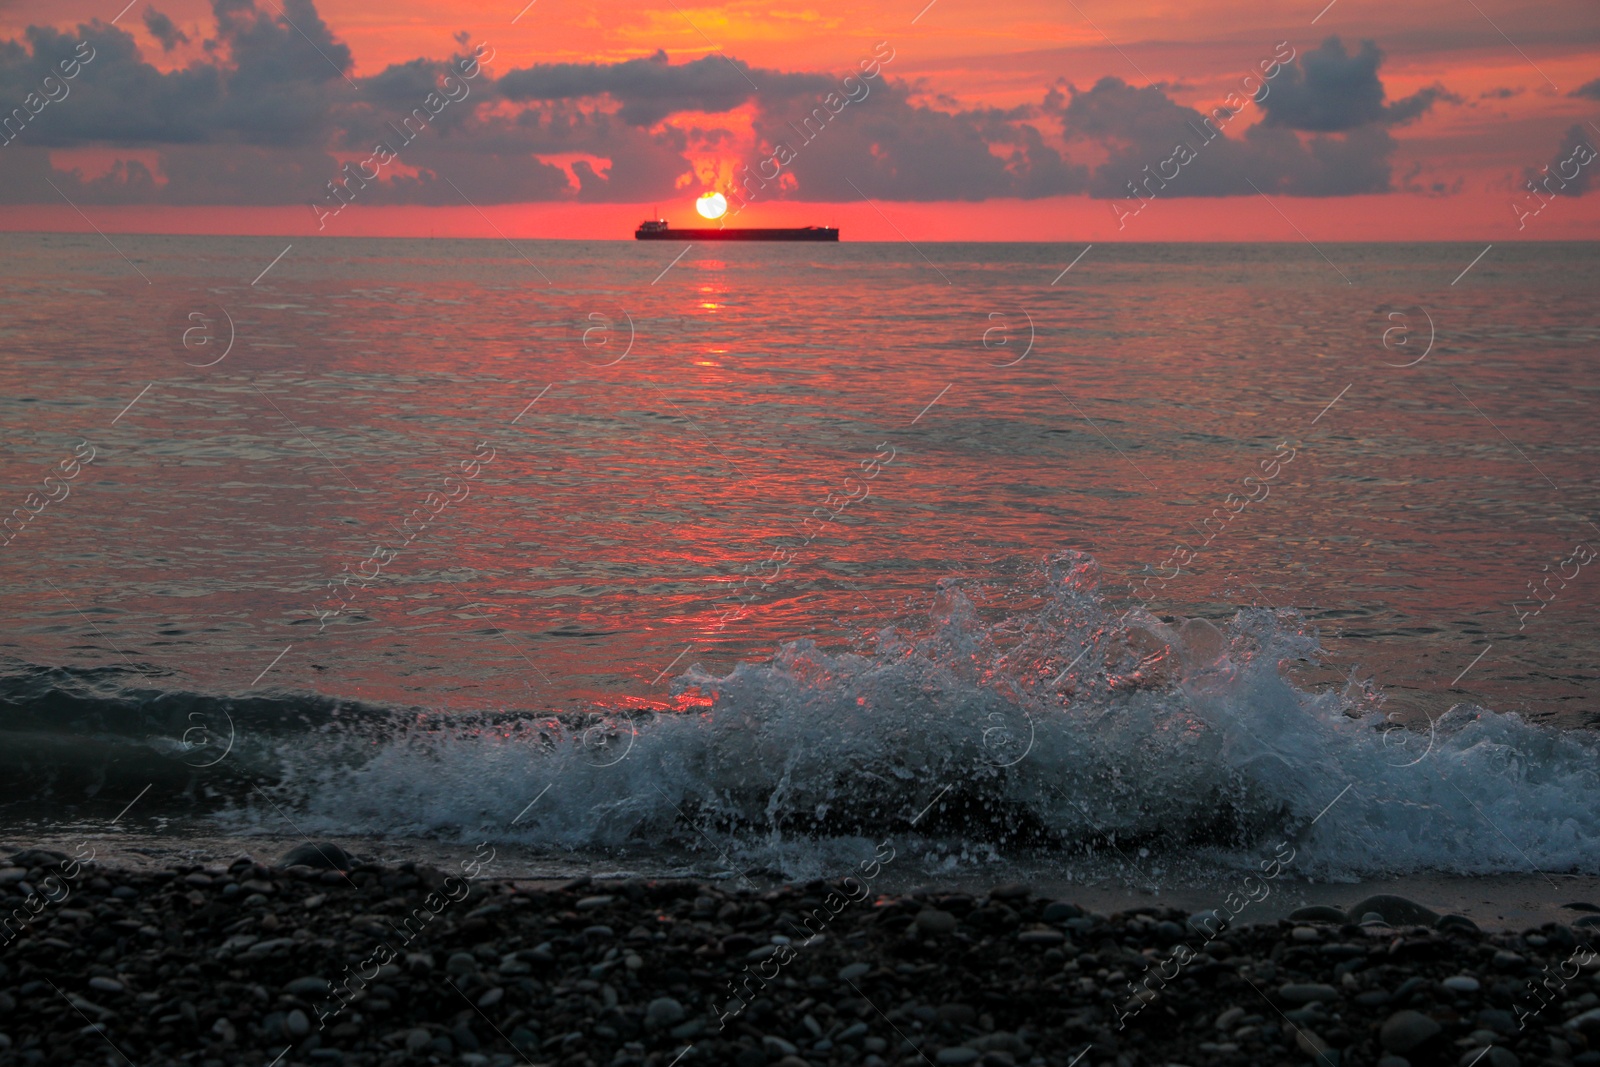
{"x": 301, "y": 961}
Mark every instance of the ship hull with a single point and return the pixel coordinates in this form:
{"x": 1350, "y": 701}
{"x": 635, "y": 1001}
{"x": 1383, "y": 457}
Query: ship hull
{"x": 808, "y": 233}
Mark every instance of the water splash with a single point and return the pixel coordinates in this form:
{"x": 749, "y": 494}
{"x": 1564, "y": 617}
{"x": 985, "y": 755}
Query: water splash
{"x": 1054, "y": 729}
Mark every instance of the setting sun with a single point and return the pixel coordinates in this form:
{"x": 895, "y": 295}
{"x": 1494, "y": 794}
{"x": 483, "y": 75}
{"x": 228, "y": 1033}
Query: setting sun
{"x": 711, "y": 205}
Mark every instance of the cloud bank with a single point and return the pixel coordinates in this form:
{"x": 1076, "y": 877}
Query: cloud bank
{"x": 269, "y": 111}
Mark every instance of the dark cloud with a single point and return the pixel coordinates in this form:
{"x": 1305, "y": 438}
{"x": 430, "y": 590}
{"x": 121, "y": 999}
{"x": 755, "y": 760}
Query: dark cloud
{"x": 163, "y": 29}
{"x": 270, "y": 114}
{"x": 884, "y": 146}
{"x": 1571, "y": 171}
{"x": 651, "y": 89}
{"x": 1166, "y": 149}
{"x": 1589, "y": 90}
{"x": 1327, "y": 90}
{"x": 1408, "y": 109}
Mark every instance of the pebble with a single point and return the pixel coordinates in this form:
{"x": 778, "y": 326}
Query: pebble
{"x": 959, "y": 1014}
{"x": 1318, "y": 913}
{"x": 1457, "y": 922}
{"x": 321, "y": 856}
{"x": 1039, "y": 937}
{"x": 1301, "y": 993}
{"x": 1589, "y": 1020}
{"x": 663, "y": 1011}
{"x": 1493, "y": 1056}
{"x": 1311, "y": 1044}
{"x": 1405, "y": 1030}
{"x": 561, "y": 981}
{"x": 1396, "y": 911}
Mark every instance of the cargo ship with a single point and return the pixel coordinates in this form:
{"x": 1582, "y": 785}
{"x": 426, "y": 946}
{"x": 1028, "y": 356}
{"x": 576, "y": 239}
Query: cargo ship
{"x": 658, "y": 230}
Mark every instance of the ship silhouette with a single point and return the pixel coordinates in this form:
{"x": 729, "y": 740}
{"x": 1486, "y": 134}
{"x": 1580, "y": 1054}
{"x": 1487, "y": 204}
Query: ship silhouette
{"x": 658, "y": 230}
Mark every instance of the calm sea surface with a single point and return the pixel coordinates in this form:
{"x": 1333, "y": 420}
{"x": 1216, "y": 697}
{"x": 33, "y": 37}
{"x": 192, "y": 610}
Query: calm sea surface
{"x": 791, "y": 541}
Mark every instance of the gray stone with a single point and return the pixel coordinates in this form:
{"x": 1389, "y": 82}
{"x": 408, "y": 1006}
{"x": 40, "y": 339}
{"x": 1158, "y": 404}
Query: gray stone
{"x": 663, "y": 1011}
{"x": 959, "y": 1014}
{"x": 308, "y": 986}
{"x": 1461, "y": 983}
{"x": 592, "y": 903}
{"x": 1041, "y": 937}
{"x": 1457, "y": 922}
{"x": 1492, "y": 1056}
{"x": 461, "y": 963}
{"x": 1299, "y": 993}
{"x": 1318, "y": 913}
{"x": 934, "y": 921}
{"x": 1589, "y": 1020}
{"x": 1396, "y": 911}
{"x": 1060, "y": 911}
{"x": 321, "y": 855}
{"x": 1501, "y": 1022}
{"x": 296, "y": 1025}
{"x": 850, "y": 972}
{"x": 957, "y": 1055}
{"x": 1405, "y": 1030}
{"x": 1312, "y": 1045}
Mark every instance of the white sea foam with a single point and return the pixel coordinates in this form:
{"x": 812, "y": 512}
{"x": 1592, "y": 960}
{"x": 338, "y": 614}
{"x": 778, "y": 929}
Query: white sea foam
{"x": 1061, "y": 730}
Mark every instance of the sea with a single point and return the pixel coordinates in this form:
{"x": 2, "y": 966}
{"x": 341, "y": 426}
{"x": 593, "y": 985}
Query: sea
{"x": 1114, "y": 565}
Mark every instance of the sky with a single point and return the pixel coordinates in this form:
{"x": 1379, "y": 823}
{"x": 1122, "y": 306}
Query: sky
{"x": 1064, "y": 120}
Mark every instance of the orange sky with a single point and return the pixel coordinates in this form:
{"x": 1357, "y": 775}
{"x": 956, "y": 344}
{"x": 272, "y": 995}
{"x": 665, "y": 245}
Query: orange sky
{"x": 1508, "y": 106}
